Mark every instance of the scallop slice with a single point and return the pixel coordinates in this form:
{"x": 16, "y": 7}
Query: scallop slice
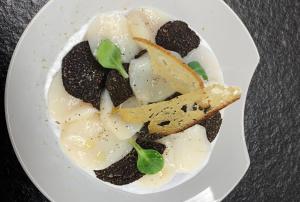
{"x": 112, "y": 26}
{"x": 159, "y": 179}
{"x": 87, "y": 143}
{"x": 205, "y": 56}
{"x": 137, "y": 26}
{"x": 187, "y": 150}
{"x": 144, "y": 22}
{"x": 62, "y": 106}
{"x": 164, "y": 176}
{"x": 147, "y": 87}
{"x": 113, "y": 122}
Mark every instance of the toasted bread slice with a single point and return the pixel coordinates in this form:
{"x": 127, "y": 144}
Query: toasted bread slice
{"x": 182, "y": 112}
{"x": 147, "y": 113}
{"x": 180, "y": 76}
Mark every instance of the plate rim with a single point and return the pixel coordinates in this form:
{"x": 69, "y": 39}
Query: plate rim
{"x": 7, "y": 83}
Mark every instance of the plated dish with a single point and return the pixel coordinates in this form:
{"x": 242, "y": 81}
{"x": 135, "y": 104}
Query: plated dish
{"x": 35, "y": 136}
{"x": 137, "y": 99}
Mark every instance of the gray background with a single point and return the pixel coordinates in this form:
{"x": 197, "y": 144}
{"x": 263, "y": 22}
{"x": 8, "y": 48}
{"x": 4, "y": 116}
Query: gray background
{"x": 272, "y": 117}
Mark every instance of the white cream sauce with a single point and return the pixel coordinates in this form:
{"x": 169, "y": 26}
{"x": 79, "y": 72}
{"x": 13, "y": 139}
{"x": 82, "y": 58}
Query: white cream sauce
{"x": 95, "y": 140}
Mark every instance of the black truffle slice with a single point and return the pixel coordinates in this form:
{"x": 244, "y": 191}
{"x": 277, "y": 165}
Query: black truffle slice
{"x": 83, "y": 77}
{"x": 144, "y": 135}
{"x": 212, "y": 126}
{"x": 140, "y": 54}
{"x": 125, "y": 171}
{"x": 118, "y": 87}
{"x": 177, "y": 36}
{"x": 176, "y": 94}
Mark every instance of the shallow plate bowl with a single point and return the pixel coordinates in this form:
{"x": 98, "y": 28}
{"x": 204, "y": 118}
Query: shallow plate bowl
{"x": 37, "y": 147}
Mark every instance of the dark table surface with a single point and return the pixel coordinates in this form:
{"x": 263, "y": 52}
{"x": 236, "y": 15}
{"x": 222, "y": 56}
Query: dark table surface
{"x": 272, "y": 117}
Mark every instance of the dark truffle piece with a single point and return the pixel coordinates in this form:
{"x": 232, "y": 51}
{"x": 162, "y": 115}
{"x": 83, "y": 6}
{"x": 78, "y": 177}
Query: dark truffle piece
{"x": 176, "y": 94}
{"x": 83, "y": 77}
{"x": 177, "y": 36}
{"x": 212, "y": 126}
{"x": 118, "y": 87}
{"x": 125, "y": 171}
{"x": 140, "y": 54}
{"x": 144, "y": 135}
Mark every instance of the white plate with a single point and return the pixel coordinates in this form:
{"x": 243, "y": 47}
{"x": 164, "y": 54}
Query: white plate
{"x": 26, "y": 112}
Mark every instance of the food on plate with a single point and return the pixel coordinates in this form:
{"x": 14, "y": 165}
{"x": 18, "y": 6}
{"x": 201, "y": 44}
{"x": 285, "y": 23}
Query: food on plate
{"x": 112, "y": 26}
{"x": 182, "y": 112}
{"x": 145, "y": 22}
{"x": 118, "y": 87}
{"x": 113, "y": 123}
{"x": 212, "y": 126}
{"x": 88, "y": 144}
{"x": 64, "y": 107}
{"x": 83, "y": 77}
{"x": 196, "y": 66}
{"x": 125, "y": 171}
{"x": 147, "y": 86}
{"x": 149, "y": 161}
{"x": 109, "y": 56}
{"x": 144, "y": 134}
{"x": 137, "y": 100}
{"x": 177, "y": 36}
{"x": 179, "y": 75}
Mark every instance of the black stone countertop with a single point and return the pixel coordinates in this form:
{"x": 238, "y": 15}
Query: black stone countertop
{"x": 272, "y": 117}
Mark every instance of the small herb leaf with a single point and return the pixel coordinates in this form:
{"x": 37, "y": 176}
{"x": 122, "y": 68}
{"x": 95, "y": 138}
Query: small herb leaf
{"x": 109, "y": 56}
{"x": 199, "y": 69}
{"x": 149, "y": 161}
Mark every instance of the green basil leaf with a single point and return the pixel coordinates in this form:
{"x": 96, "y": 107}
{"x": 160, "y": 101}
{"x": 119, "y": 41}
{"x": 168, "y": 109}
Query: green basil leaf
{"x": 199, "y": 69}
{"x": 109, "y": 56}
